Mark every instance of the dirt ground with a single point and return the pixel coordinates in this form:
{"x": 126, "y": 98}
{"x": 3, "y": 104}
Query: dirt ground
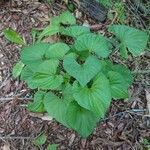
{"x": 127, "y": 124}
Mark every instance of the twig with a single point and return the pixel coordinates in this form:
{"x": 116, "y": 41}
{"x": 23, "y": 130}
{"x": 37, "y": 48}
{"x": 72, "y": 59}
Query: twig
{"x": 11, "y": 98}
{"x": 96, "y": 27}
{"x": 132, "y": 9}
{"x": 132, "y": 111}
{"x": 4, "y": 82}
{"x": 141, "y": 72}
{"x": 15, "y": 137}
{"x": 140, "y": 6}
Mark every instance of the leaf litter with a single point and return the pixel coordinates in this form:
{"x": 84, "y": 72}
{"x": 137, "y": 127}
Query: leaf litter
{"x": 122, "y": 129}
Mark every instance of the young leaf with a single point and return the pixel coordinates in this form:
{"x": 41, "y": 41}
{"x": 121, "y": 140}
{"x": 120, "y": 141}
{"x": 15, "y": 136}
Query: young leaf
{"x": 80, "y": 119}
{"x": 55, "y": 21}
{"x": 54, "y": 27}
{"x": 52, "y": 147}
{"x": 133, "y": 39}
{"x": 93, "y": 43}
{"x": 37, "y": 105}
{"x": 13, "y": 36}
{"x": 83, "y": 73}
{"x": 51, "y": 29}
{"x": 75, "y": 31}
{"x": 96, "y": 98}
{"x": 118, "y": 85}
{"x": 56, "y": 107}
{"x": 40, "y": 140}
{"x": 57, "y": 51}
{"x": 67, "y": 18}
{"x": 17, "y": 69}
{"x": 33, "y": 55}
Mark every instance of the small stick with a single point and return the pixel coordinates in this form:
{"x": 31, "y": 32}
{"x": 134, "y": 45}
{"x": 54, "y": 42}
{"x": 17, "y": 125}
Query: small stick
{"x": 11, "y": 98}
{"x": 141, "y": 72}
{"x": 132, "y": 111}
{"x": 96, "y": 27}
{"x": 15, "y": 137}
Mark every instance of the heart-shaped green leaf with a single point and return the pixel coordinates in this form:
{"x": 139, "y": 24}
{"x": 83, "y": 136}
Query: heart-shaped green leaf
{"x": 75, "y": 31}
{"x": 57, "y": 51}
{"x": 119, "y": 88}
{"x": 83, "y": 73}
{"x": 80, "y": 119}
{"x": 33, "y": 55}
{"x": 97, "y": 98}
{"x": 37, "y": 105}
{"x": 56, "y": 107}
{"x": 93, "y": 43}
{"x": 133, "y": 39}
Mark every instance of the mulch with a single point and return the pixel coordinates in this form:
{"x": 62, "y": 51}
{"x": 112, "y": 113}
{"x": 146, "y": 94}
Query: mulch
{"x": 125, "y": 126}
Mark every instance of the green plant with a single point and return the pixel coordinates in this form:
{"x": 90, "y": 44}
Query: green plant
{"x": 146, "y": 144}
{"x": 106, "y": 3}
{"x": 76, "y": 82}
{"x": 12, "y": 36}
{"x": 119, "y": 8}
{"x": 116, "y": 7}
{"x": 52, "y": 147}
{"x": 40, "y": 139}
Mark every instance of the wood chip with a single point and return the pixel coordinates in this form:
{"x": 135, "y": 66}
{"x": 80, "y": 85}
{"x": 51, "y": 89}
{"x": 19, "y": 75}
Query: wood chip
{"x": 5, "y": 147}
{"x": 148, "y": 101}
